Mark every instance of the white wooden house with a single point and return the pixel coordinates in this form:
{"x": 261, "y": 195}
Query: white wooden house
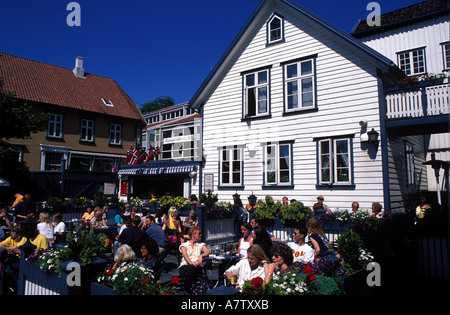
{"x": 417, "y": 39}
{"x": 287, "y": 109}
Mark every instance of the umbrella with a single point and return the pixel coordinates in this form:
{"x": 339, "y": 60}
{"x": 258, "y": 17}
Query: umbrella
{"x": 437, "y": 165}
{"x": 4, "y": 182}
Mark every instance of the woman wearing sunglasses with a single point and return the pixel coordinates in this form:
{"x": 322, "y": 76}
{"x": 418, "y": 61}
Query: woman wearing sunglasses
{"x": 282, "y": 261}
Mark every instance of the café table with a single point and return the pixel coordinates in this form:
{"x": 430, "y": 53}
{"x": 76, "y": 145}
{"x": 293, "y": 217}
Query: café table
{"x": 221, "y": 262}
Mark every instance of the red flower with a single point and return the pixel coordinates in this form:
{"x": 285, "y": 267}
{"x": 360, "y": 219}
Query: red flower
{"x": 145, "y": 281}
{"x": 257, "y": 283}
{"x": 165, "y": 293}
{"x": 308, "y": 270}
{"x": 110, "y": 272}
{"x": 312, "y": 277}
{"x": 175, "y": 280}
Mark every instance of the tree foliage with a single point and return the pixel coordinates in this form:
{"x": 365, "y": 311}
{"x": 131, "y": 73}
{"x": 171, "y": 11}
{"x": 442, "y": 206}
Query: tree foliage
{"x": 158, "y": 103}
{"x": 18, "y": 120}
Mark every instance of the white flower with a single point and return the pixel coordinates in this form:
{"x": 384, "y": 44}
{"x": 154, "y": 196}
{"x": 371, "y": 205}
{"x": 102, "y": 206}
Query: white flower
{"x": 125, "y": 279}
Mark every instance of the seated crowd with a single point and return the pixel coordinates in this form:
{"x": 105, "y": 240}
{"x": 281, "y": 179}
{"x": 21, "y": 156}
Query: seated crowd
{"x": 148, "y": 238}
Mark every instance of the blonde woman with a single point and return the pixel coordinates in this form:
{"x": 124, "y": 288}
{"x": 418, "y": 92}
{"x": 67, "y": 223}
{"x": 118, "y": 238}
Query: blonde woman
{"x": 45, "y": 226}
{"x": 193, "y": 252}
{"x": 250, "y": 267}
{"x": 124, "y": 254}
{"x": 172, "y": 226}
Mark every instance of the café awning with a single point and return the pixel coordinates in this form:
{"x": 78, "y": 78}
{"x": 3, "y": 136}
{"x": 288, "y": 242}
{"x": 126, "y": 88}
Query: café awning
{"x": 177, "y": 169}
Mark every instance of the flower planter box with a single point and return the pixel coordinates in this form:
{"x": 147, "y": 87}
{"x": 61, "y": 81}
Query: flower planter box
{"x": 34, "y": 281}
{"x": 356, "y": 284}
{"x": 98, "y": 289}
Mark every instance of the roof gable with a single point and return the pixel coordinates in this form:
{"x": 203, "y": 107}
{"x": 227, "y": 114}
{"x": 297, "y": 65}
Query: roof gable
{"x": 257, "y": 19}
{"x": 44, "y": 83}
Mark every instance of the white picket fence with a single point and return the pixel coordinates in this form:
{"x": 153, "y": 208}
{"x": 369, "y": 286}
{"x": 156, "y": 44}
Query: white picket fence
{"x": 425, "y": 101}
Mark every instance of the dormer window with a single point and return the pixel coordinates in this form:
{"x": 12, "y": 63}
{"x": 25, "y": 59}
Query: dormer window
{"x": 275, "y": 29}
{"x": 107, "y": 102}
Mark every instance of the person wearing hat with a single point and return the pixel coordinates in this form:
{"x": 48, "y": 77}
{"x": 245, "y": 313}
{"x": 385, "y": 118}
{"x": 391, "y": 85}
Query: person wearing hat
{"x": 321, "y": 205}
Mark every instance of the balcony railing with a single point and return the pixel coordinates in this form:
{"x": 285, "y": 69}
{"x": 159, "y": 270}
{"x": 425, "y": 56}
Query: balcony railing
{"x": 418, "y": 101}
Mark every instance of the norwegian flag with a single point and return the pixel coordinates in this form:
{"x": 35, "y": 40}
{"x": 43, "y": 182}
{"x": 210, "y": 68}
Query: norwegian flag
{"x": 130, "y": 154}
{"x": 141, "y": 157}
{"x": 152, "y": 153}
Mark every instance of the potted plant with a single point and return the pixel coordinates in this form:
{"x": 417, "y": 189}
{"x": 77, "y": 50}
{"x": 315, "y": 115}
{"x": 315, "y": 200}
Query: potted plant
{"x": 267, "y": 210}
{"x": 129, "y": 279}
{"x": 294, "y": 213}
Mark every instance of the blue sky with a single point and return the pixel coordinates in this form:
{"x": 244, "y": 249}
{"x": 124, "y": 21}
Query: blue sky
{"x": 150, "y": 47}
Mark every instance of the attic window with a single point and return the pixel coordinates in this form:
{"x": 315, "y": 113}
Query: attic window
{"x": 275, "y": 29}
{"x": 107, "y": 102}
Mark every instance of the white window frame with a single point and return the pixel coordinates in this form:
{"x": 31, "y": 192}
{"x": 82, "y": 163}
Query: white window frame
{"x": 299, "y": 79}
{"x": 446, "y": 55}
{"x": 258, "y": 88}
{"x": 55, "y": 126}
{"x": 87, "y": 128}
{"x": 332, "y": 157}
{"x": 115, "y": 134}
{"x": 409, "y": 63}
{"x": 279, "y": 30}
{"x": 275, "y": 160}
{"x": 231, "y": 158}
{"x": 410, "y": 164}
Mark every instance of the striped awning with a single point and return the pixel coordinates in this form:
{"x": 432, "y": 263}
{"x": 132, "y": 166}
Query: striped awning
{"x": 158, "y": 170}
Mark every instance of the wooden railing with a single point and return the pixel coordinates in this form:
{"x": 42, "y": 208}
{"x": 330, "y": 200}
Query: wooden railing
{"x": 418, "y": 101}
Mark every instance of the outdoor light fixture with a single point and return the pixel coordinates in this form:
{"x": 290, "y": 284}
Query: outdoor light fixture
{"x": 373, "y": 136}
{"x": 252, "y": 199}
{"x": 193, "y": 174}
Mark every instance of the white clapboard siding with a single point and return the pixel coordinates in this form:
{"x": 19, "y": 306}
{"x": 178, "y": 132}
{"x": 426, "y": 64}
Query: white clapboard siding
{"x": 430, "y": 34}
{"x": 347, "y": 91}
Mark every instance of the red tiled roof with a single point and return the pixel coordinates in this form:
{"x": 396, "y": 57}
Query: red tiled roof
{"x": 404, "y": 16}
{"x": 45, "y": 83}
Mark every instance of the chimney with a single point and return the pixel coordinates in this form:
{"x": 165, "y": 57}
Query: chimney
{"x": 78, "y": 70}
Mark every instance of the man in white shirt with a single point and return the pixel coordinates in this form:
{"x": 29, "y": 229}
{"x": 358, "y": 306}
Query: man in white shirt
{"x": 302, "y": 252}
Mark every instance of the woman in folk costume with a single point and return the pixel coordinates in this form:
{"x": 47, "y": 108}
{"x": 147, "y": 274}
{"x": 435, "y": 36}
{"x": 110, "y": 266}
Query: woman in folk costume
{"x": 172, "y": 226}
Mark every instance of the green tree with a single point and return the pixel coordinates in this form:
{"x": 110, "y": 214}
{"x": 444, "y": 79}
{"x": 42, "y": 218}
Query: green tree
{"x": 158, "y": 103}
{"x": 17, "y": 121}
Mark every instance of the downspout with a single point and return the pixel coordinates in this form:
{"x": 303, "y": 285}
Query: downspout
{"x": 384, "y": 143}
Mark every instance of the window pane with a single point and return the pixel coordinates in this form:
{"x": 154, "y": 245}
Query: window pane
{"x": 291, "y": 71}
{"x": 250, "y": 79}
{"x": 236, "y": 166}
{"x": 307, "y": 92}
{"x": 292, "y": 99}
{"x": 284, "y": 177}
{"x": 262, "y": 77}
{"x": 418, "y": 61}
{"x": 342, "y": 175}
{"x": 236, "y": 178}
{"x": 251, "y": 102}
{"x": 275, "y": 29}
{"x": 326, "y": 175}
{"x": 262, "y": 100}
{"x": 225, "y": 167}
{"x": 284, "y": 157}
{"x": 225, "y": 178}
{"x": 306, "y": 67}
{"x": 236, "y": 156}
{"x": 325, "y": 166}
